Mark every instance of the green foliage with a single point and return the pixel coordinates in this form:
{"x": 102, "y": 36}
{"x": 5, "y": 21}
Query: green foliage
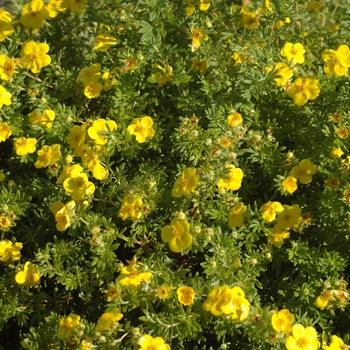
{"x": 155, "y": 68}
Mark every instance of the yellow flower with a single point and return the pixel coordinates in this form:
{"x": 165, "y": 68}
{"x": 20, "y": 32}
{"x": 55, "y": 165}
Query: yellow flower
{"x": 129, "y": 64}
{"x": 131, "y": 276}
{"x": 6, "y": 28}
{"x": 147, "y": 342}
{"x": 284, "y": 73}
{"x": 177, "y": 235}
{"x": 75, "y": 6}
{"x": 268, "y": 5}
{"x": 302, "y": 338}
{"x": 76, "y": 137}
{"x": 2, "y": 176}
{"x": 303, "y": 90}
{"x": 34, "y": 14}
{"x": 104, "y": 41}
{"x": 7, "y": 67}
{"x": 78, "y": 185}
{"x": 289, "y": 184}
{"x": 332, "y": 183}
{"x": 24, "y": 146}
{"x": 108, "y": 81}
{"x": 100, "y": 129}
{"x": 5, "y": 132}
{"x": 93, "y": 90}
{"x": 342, "y": 132}
{"x": 278, "y": 234}
{"x": 10, "y": 252}
{"x": 203, "y": 5}
{"x": 108, "y": 319}
{"x": 66, "y": 170}
{"x": 141, "y": 128}
{"x": 233, "y": 179}
{"x": 131, "y": 206}
{"x": 185, "y": 184}
{"x": 89, "y": 75}
{"x": 239, "y": 306}
{"x": 235, "y": 216}
{"x": 336, "y": 344}
{"x": 293, "y": 52}
{"x": 219, "y": 301}
{"x": 163, "y": 292}
{"x": 323, "y": 300}
{"x": 30, "y": 276}
{"x": 196, "y": 36}
{"x": 200, "y": 66}
{"x": 290, "y": 217}
{"x": 5, "y": 97}
{"x": 304, "y": 171}
{"x": 55, "y": 6}
{"x": 87, "y": 344}
{"x": 99, "y": 172}
{"x": 67, "y": 325}
{"x": 33, "y": 56}
{"x": 63, "y": 215}
{"x": 48, "y": 155}
{"x": 163, "y": 75}
{"x": 336, "y": 117}
{"x": 336, "y": 152}
{"x": 185, "y": 295}
{"x": 270, "y": 209}
{"x": 5, "y": 223}
{"x": 337, "y": 62}
{"x": 282, "y": 321}
{"x": 44, "y": 119}
{"x": 234, "y": 119}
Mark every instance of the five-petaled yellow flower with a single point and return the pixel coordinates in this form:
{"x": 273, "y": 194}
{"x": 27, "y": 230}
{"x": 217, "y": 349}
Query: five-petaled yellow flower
{"x": 235, "y": 216}
{"x": 337, "y": 62}
{"x": 293, "y": 52}
{"x": 24, "y": 146}
{"x": 30, "y": 276}
{"x": 34, "y": 55}
{"x": 5, "y": 97}
{"x": 177, "y": 235}
{"x": 196, "y": 36}
{"x": 34, "y": 14}
{"x": 7, "y": 67}
{"x": 304, "y": 171}
{"x": 44, "y": 119}
{"x": 131, "y": 276}
{"x": 283, "y": 72}
{"x": 10, "y": 252}
{"x": 131, "y": 207}
{"x": 67, "y": 325}
{"x": 233, "y": 179}
{"x": 185, "y": 295}
{"x": 104, "y": 41}
{"x": 142, "y": 129}
{"x": 147, "y": 342}
{"x": 282, "y": 321}
{"x": 6, "y": 28}
{"x": 270, "y": 209}
{"x": 303, "y": 89}
{"x": 185, "y": 184}
{"x": 48, "y": 155}
{"x": 108, "y": 319}
{"x": 302, "y": 338}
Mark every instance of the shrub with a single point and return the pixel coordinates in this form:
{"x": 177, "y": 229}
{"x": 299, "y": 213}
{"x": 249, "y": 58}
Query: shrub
{"x": 174, "y": 174}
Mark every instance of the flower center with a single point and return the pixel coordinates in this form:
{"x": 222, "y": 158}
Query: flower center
{"x": 302, "y": 342}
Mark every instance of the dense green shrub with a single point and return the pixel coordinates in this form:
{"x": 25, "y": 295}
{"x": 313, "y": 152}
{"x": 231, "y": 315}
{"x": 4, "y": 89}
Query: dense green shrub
{"x": 174, "y": 173}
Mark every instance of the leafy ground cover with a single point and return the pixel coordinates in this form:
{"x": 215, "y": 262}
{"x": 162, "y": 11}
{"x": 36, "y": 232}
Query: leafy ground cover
{"x": 174, "y": 174}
